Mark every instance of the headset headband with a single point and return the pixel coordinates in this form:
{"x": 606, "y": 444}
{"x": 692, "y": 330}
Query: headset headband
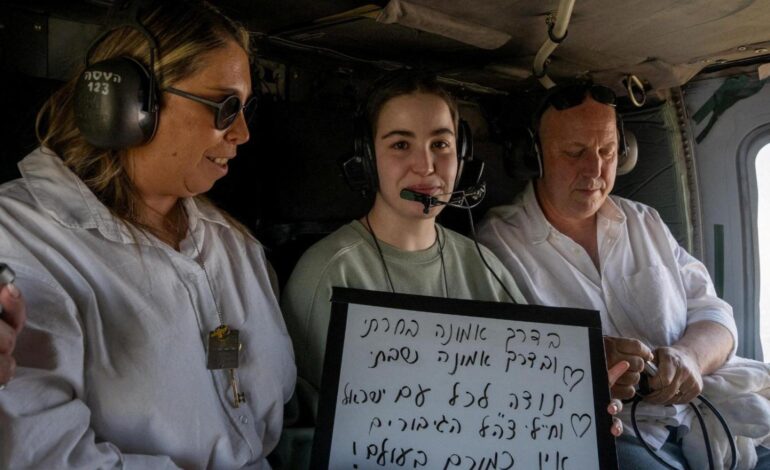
{"x": 128, "y": 20}
{"x": 115, "y": 99}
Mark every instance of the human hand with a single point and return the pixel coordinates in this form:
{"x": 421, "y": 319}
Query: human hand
{"x": 678, "y": 379}
{"x": 632, "y": 351}
{"x": 11, "y": 322}
{"x": 616, "y": 406}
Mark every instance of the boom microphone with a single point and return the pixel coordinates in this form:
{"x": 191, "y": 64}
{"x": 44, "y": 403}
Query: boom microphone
{"x": 424, "y": 199}
{"x": 462, "y": 199}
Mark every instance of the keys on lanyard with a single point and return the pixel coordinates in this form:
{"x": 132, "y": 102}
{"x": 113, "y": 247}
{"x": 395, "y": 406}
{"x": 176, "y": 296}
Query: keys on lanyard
{"x": 223, "y": 349}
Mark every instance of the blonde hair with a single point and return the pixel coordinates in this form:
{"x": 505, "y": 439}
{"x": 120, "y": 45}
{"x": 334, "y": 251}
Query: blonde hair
{"x": 185, "y": 32}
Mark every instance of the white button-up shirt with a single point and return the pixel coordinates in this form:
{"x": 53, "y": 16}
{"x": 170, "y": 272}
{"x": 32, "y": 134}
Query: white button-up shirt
{"x": 112, "y": 364}
{"x": 647, "y": 286}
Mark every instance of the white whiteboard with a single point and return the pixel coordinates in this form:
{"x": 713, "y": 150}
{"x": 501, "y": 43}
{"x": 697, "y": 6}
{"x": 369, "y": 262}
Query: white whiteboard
{"x": 419, "y": 382}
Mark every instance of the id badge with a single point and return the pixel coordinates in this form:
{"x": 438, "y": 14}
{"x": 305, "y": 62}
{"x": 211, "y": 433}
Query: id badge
{"x": 223, "y": 349}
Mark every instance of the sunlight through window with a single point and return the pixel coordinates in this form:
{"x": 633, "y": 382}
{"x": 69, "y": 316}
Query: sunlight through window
{"x": 763, "y": 228}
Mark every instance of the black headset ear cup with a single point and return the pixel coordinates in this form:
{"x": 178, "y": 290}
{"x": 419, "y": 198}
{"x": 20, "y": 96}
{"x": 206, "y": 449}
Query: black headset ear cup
{"x": 521, "y": 155}
{"x": 115, "y": 104}
{"x": 369, "y": 159}
{"x": 464, "y": 143}
{"x": 622, "y": 143}
{"x": 469, "y": 168}
{"x": 360, "y": 169}
{"x": 627, "y": 161}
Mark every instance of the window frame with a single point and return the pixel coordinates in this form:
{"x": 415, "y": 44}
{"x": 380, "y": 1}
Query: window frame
{"x": 748, "y": 151}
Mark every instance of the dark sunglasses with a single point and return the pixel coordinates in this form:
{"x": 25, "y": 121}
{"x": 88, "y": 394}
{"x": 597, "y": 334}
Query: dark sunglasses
{"x": 570, "y": 96}
{"x": 226, "y": 110}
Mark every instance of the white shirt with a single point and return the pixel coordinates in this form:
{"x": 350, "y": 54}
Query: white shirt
{"x": 112, "y": 364}
{"x": 648, "y": 287}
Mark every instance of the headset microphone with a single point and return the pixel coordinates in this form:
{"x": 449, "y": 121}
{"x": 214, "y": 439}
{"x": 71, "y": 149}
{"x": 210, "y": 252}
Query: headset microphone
{"x": 462, "y": 199}
{"x": 470, "y": 197}
{"x": 424, "y": 199}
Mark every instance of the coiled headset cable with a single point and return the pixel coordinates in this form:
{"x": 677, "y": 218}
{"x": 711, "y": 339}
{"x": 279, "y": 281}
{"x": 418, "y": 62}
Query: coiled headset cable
{"x": 644, "y": 390}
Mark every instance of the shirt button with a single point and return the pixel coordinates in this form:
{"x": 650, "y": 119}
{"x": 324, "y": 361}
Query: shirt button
{"x": 243, "y": 419}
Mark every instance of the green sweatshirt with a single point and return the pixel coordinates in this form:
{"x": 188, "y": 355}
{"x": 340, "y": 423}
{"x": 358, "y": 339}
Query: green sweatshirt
{"x": 349, "y": 258}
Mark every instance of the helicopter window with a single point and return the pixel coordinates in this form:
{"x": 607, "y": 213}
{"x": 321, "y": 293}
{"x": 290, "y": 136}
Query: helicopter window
{"x": 763, "y": 229}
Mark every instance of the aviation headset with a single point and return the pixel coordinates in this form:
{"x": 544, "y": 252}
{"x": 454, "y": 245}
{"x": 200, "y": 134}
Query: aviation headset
{"x": 522, "y": 154}
{"x": 116, "y": 100}
{"x": 360, "y": 169}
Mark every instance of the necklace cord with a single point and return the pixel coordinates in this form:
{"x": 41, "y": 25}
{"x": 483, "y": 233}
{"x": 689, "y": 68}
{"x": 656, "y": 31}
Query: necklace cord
{"x": 370, "y": 229}
{"x": 379, "y": 251}
{"x": 203, "y": 266}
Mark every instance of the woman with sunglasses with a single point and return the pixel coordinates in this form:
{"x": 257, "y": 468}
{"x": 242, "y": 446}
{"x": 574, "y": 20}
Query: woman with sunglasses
{"x": 154, "y": 338}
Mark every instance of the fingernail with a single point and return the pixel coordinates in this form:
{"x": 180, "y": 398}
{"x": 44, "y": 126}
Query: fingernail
{"x": 14, "y": 291}
{"x": 612, "y": 409}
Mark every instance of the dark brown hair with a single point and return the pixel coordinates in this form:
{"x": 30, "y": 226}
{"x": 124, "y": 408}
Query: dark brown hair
{"x": 405, "y": 83}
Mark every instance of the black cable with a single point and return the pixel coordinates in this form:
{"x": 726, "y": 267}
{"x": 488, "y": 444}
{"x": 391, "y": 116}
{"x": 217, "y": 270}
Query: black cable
{"x": 443, "y": 265}
{"x": 704, "y": 430}
{"x": 654, "y": 454}
{"x": 484, "y": 260}
{"x": 726, "y": 427}
{"x": 463, "y": 203}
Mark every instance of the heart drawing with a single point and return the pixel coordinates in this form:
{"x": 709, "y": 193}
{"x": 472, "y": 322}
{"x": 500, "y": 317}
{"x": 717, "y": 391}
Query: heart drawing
{"x": 580, "y": 423}
{"x": 571, "y": 377}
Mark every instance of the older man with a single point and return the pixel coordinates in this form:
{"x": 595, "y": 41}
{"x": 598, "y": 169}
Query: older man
{"x": 568, "y": 244}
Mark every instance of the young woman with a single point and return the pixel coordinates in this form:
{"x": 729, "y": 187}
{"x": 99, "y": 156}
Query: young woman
{"x": 138, "y": 291}
{"x": 396, "y": 246}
